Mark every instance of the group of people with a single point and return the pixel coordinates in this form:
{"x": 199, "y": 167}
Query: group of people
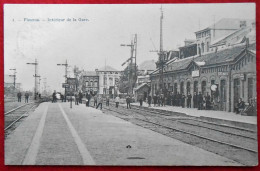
{"x": 199, "y": 101}
{"x": 246, "y": 109}
{"x": 26, "y": 95}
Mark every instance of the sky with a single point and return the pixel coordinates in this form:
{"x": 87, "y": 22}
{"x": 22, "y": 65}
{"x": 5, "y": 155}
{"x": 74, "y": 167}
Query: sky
{"x": 94, "y": 38}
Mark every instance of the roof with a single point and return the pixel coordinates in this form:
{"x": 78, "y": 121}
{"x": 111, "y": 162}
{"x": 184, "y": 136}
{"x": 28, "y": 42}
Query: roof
{"x": 238, "y": 35}
{"x": 147, "y": 65}
{"x": 107, "y": 68}
{"x": 225, "y": 55}
{"x": 227, "y": 23}
{"x": 90, "y": 73}
{"x": 140, "y": 86}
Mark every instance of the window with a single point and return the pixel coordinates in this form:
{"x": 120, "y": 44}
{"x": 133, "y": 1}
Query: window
{"x": 195, "y": 86}
{"x": 250, "y": 88}
{"x": 203, "y": 87}
{"x": 188, "y": 87}
{"x": 182, "y": 87}
{"x": 175, "y": 88}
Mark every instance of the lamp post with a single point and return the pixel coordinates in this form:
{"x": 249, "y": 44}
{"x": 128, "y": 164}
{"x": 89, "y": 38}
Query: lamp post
{"x": 35, "y": 77}
{"x": 66, "y": 73}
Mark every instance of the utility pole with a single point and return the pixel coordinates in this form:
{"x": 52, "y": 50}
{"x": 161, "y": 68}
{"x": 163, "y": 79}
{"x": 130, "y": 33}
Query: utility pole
{"x": 35, "y": 77}
{"x": 66, "y": 76}
{"x": 14, "y": 75}
{"x": 133, "y": 54}
{"x": 44, "y": 86}
{"x": 39, "y": 85}
{"x": 161, "y": 53}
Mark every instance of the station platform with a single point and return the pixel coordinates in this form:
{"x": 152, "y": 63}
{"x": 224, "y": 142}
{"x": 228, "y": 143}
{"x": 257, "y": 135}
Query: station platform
{"x": 55, "y": 134}
{"x": 221, "y": 115}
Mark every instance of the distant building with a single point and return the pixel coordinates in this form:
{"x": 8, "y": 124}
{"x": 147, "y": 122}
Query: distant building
{"x": 189, "y": 49}
{"x": 9, "y": 83}
{"x": 236, "y": 37}
{"x": 143, "y": 83}
{"x": 220, "y": 29}
{"x": 90, "y": 82}
{"x": 108, "y": 80}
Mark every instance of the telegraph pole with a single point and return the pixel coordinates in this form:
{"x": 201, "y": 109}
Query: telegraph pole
{"x": 14, "y": 75}
{"x": 44, "y": 86}
{"x": 161, "y": 53}
{"x": 35, "y": 77}
{"x": 39, "y": 84}
{"x": 66, "y": 76}
{"x": 133, "y": 47}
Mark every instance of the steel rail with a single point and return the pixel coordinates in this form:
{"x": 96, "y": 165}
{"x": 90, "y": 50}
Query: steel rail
{"x": 17, "y": 108}
{"x": 189, "y": 133}
{"x": 23, "y": 115}
{"x": 225, "y": 132}
{"x": 193, "y": 118}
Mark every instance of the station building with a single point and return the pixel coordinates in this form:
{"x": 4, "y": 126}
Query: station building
{"x": 101, "y": 81}
{"x": 232, "y": 70}
{"x": 224, "y": 55}
{"x": 108, "y": 80}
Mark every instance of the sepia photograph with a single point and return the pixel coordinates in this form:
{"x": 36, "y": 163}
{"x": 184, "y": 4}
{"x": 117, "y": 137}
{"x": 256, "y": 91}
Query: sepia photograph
{"x": 130, "y": 84}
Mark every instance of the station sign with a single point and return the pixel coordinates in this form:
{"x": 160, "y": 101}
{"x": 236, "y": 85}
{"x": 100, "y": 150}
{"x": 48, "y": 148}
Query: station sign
{"x": 195, "y": 73}
{"x": 222, "y": 73}
{"x": 72, "y": 84}
{"x": 65, "y": 85}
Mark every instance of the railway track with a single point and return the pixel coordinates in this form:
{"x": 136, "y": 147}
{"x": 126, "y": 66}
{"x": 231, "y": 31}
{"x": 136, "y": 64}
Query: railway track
{"x": 16, "y": 114}
{"x": 203, "y": 134}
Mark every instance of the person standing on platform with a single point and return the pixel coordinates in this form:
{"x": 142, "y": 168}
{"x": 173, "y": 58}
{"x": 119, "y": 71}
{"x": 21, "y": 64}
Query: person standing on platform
{"x": 159, "y": 100}
{"x": 107, "y": 100}
{"x": 62, "y": 97}
{"x": 195, "y": 100}
{"x": 128, "y": 102}
{"x": 189, "y": 96}
{"x": 149, "y": 100}
{"x": 80, "y": 97}
{"x": 95, "y": 100}
{"x": 200, "y": 101}
{"x": 141, "y": 100}
{"x": 163, "y": 100}
{"x": 183, "y": 97}
{"x": 117, "y": 99}
{"x": 99, "y": 101}
{"x": 88, "y": 97}
{"x": 76, "y": 98}
{"x": 19, "y": 96}
{"x": 54, "y": 97}
{"x": 207, "y": 98}
{"x": 26, "y": 97}
{"x": 154, "y": 100}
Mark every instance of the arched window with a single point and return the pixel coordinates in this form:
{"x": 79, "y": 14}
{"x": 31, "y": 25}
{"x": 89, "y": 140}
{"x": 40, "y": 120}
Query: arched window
{"x": 203, "y": 87}
{"x": 188, "y": 87}
{"x": 175, "y": 88}
{"x": 195, "y": 87}
{"x": 182, "y": 88}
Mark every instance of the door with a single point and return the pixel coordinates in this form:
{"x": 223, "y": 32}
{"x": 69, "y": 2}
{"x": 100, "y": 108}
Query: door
{"x": 203, "y": 87}
{"x": 195, "y": 87}
{"x": 250, "y": 88}
{"x": 223, "y": 95}
{"x": 236, "y": 91}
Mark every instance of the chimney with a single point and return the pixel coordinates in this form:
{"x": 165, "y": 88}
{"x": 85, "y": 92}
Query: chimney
{"x": 247, "y": 43}
{"x": 199, "y": 52}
